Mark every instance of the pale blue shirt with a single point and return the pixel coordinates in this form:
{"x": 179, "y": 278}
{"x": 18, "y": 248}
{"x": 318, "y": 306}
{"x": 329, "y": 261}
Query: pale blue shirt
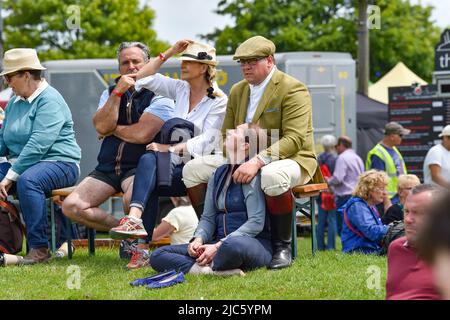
{"x": 160, "y": 106}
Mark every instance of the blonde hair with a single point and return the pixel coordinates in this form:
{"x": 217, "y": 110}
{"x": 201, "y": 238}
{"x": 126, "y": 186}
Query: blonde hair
{"x": 368, "y": 181}
{"x": 406, "y": 179}
{"x": 210, "y": 77}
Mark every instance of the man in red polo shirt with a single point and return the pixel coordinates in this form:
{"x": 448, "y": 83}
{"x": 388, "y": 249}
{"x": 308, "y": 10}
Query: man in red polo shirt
{"x": 409, "y": 278}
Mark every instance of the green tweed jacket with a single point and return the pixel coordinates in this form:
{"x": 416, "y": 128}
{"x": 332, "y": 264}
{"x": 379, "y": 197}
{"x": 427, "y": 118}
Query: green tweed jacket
{"x": 285, "y": 105}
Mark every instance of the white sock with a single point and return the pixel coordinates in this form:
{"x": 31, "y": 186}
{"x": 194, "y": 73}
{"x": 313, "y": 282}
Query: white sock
{"x": 197, "y": 269}
{"x": 231, "y": 272}
{"x": 11, "y": 259}
{"x": 135, "y": 219}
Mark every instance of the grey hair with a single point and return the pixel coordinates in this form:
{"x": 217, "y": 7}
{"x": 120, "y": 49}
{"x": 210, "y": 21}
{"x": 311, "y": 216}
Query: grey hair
{"x": 140, "y": 45}
{"x": 328, "y": 141}
{"x": 427, "y": 187}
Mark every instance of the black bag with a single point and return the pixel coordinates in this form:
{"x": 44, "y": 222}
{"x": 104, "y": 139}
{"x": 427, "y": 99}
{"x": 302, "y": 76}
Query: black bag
{"x": 395, "y": 231}
{"x": 12, "y": 229}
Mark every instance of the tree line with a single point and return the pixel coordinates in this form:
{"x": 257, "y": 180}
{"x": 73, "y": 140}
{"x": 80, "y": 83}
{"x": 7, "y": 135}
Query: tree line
{"x": 58, "y": 31}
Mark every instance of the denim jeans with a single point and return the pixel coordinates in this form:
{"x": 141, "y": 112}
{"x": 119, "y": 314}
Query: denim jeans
{"x": 146, "y": 193}
{"x": 326, "y": 218}
{"x": 241, "y": 252}
{"x": 340, "y": 201}
{"x": 33, "y": 187}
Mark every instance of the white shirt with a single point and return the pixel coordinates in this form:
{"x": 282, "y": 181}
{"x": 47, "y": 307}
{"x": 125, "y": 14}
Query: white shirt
{"x": 440, "y": 156}
{"x": 42, "y": 86}
{"x": 207, "y": 116}
{"x": 256, "y": 92}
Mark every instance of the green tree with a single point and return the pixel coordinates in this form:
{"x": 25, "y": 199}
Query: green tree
{"x": 407, "y": 33}
{"x": 78, "y": 29}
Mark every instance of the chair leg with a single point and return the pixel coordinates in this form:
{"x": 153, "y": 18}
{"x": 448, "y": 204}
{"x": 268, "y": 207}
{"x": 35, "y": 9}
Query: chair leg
{"x": 53, "y": 225}
{"x": 91, "y": 241}
{"x": 313, "y": 226}
{"x": 294, "y": 231}
{"x": 69, "y": 238}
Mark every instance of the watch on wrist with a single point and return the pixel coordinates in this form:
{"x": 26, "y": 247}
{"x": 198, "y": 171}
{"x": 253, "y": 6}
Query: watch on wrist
{"x": 172, "y": 149}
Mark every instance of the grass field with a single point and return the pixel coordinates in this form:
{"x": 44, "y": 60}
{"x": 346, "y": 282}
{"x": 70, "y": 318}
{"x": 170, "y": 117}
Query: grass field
{"x": 328, "y": 275}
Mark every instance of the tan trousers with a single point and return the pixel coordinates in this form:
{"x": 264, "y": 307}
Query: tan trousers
{"x": 276, "y": 178}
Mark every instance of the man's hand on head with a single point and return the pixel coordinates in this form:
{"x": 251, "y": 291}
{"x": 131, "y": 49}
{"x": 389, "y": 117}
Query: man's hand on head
{"x": 247, "y": 171}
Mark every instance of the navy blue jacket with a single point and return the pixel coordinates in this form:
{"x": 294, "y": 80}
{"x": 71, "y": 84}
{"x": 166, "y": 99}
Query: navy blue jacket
{"x": 217, "y": 223}
{"x": 175, "y": 130}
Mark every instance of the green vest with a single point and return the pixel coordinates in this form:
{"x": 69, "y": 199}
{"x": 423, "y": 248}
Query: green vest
{"x": 391, "y": 170}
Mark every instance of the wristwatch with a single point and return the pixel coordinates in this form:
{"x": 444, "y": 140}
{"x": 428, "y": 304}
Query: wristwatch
{"x": 172, "y": 149}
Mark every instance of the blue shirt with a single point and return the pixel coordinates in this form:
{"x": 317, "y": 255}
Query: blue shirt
{"x": 160, "y": 106}
{"x": 329, "y": 159}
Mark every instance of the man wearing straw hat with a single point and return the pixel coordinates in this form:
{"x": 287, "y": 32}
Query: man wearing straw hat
{"x": 38, "y": 138}
{"x": 275, "y": 101}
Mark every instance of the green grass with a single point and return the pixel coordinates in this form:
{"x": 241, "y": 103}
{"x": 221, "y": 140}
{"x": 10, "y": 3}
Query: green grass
{"x": 328, "y": 275}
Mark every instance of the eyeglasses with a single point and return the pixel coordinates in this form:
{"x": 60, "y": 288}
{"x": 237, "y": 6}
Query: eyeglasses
{"x": 249, "y": 62}
{"x": 9, "y": 76}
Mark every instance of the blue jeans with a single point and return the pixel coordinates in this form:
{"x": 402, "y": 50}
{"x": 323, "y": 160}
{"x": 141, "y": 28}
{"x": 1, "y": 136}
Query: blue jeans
{"x": 145, "y": 192}
{"x": 340, "y": 201}
{"x": 241, "y": 252}
{"x": 33, "y": 187}
{"x": 326, "y": 218}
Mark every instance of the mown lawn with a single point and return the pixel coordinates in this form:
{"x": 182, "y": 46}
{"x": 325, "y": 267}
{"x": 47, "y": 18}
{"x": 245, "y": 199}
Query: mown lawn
{"x": 328, "y": 275}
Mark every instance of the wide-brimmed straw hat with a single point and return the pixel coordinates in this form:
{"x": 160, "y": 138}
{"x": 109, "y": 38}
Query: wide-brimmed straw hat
{"x": 200, "y": 52}
{"x": 20, "y": 59}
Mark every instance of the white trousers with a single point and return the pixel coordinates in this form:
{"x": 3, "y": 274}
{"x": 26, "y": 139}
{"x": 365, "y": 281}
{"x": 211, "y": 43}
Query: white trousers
{"x": 276, "y": 178}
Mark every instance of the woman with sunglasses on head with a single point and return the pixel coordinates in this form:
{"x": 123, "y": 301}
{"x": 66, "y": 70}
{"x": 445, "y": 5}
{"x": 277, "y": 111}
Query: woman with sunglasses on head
{"x": 38, "y": 138}
{"x": 197, "y": 100}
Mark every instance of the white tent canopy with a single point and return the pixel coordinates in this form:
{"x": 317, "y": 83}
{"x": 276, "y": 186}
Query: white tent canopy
{"x": 398, "y": 76}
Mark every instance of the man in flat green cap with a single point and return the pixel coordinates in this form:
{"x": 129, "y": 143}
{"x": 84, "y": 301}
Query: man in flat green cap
{"x": 279, "y": 103}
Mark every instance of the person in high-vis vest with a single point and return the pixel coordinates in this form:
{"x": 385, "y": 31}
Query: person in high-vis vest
{"x": 386, "y": 157}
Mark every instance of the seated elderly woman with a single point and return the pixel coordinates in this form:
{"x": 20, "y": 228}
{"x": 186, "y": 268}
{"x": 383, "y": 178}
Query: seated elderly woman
{"x": 38, "y": 139}
{"x": 363, "y": 230}
{"x": 404, "y": 186}
{"x": 232, "y": 234}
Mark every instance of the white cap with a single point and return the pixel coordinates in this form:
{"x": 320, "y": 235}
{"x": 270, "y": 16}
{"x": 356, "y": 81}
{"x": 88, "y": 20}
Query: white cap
{"x": 446, "y": 131}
